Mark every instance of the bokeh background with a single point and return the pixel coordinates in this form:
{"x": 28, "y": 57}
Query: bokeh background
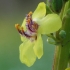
{"x": 12, "y": 12}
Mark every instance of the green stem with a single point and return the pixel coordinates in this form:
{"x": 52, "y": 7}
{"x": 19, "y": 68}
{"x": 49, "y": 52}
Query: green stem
{"x": 56, "y": 58}
{"x": 61, "y": 57}
{"x": 62, "y": 52}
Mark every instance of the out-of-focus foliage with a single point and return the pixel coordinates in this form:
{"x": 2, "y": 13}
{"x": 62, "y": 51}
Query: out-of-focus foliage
{"x": 56, "y": 5}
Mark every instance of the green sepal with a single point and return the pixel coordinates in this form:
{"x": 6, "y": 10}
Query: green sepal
{"x": 51, "y": 41}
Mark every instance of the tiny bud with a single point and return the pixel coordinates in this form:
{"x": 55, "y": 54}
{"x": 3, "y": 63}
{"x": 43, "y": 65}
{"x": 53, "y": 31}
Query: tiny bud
{"x": 51, "y": 41}
{"x": 62, "y": 34}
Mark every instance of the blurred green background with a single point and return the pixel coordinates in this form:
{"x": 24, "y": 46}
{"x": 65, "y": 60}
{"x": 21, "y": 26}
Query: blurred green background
{"x": 12, "y": 12}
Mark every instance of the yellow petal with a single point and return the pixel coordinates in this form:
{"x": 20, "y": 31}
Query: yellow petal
{"x": 67, "y": 69}
{"x": 24, "y": 24}
{"x": 49, "y": 24}
{"x": 38, "y": 47}
{"x": 40, "y": 11}
{"x": 23, "y": 39}
{"x": 24, "y": 27}
{"x": 27, "y": 55}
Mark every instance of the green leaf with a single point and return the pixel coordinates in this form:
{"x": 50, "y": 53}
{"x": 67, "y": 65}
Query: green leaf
{"x": 55, "y": 5}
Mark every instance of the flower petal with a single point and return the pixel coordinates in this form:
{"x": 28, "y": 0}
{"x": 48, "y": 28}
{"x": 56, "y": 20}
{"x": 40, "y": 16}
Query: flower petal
{"x": 23, "y": 38}
{"x": 49, "y": 24}
{"x": 24, "y": 24}
{"x": 40, "y": 11}
{"x": 38, "y": 47}
{"x": 27, "y": 55}
{"x": 24, "y": 27}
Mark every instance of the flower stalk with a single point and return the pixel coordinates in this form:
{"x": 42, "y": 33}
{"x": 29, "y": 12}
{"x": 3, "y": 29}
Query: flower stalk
{"x": 62, "y": 51}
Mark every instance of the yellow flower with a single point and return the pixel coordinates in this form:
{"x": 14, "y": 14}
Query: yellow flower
{"x": 32, "y": 27}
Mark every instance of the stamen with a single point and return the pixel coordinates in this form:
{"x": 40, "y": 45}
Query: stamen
{"x": 17, "y": 26}
{"x": 20, "y": 29}
{"x": 30, "y": 13}
{"x": 29, "y": 18}
{"x": 31, "y": 28}
{"x": 31, "y": 25}
{"x": 35, "y": 26}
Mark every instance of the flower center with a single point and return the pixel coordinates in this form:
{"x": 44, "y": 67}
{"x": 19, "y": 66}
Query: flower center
{"x": 30, "y": 24}
{"x": 31, "y": 28}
